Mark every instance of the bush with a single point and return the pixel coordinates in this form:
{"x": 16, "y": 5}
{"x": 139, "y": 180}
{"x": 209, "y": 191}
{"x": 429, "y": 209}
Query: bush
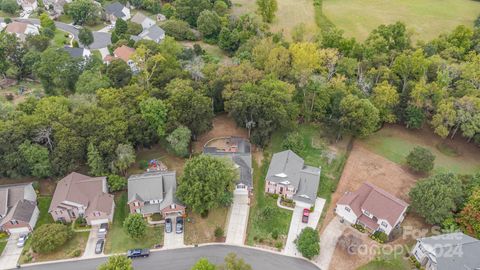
{"x": 308, "y": 243}
{"x": 143, "y": 164}
{"x": 219, "y": 232}
{"x": 9, "y": 96}
{"x": 379, "y": 236}
{"x": 278, "y": 245}
{"x": 116, "y": 182}
{"x": 420, "y": 159}
{"x": 275, "y": 234}
{"x": 49, "y": 237}
{"x": 81, "y": 221}
{"x": 294, "y": 141}
{"x": 275, "y": 196}
{"x": 76, "y": 252}
{"x": 178, "y": 29}
{"x": 359, "y": 228}
{"x": 135, "y": 226}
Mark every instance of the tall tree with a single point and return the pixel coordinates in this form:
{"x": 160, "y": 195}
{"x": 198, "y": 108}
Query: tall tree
{"x": 154, "y": 112}
{"x": 267, "y": 9}
{"x": 117, "y": 262}
{"x": 179, "y": 140}
{"x": 421, "y": 159}
{"x": 119, "y": 73}
{"x": 95, "y": 161}
{"x": 47, "y": 22}
{"x": 209, "y": 24}
{"x": 469, "y": 218}
{"x": 85, "y": 36}
{"x": 358, "y": 116}
{"x": 36, "y": 158}
{"x": 135, "y": 225}
{"x": 84, "y": 12}
{"x": 189, "y": 10}
{"x": 308, "y": 243}
{"x": 203, "y": 264}
{"x": 385, "y": 98}
{"x": 125, "y": 156}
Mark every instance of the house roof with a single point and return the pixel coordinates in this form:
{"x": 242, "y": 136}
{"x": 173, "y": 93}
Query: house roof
{"x": 308, "y": 184}
{"x": 466, "y": 251}
{"x": 10, "y": 195}
{"x": 155, "y": 185}
{"x": 115, "y": 9}
{"x": 82, "y": 189}
{"x": 124, "y": 52}
{"x": 74, "y": 52}
{"x": 376, "y": 201}
{"x": 23, "y": 210}
{"x": 153, "y": 33}
{"x": 139, "y": 18}
{"x": 16, "y": 27}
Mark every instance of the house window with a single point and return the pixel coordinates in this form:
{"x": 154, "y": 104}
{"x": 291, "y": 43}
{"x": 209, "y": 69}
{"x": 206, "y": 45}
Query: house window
{"x": 13, "y": 222}
{"x": 366, "y": 212}
{"x": 384, "y": 224}
{"x": 347, "y": 209}
{"x": 135, "y": 203}
{"x": 137, "y": 210}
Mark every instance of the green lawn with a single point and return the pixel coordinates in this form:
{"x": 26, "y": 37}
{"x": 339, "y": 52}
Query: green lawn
{"x": 395, "y": 143}
{"x": 43, "y": 205}
{"x": 387, "y": 263}
{"x": 427, "y": 18}
{"x": 118, "y": 241}
{"x": 59, "y": 39}
{"x": 3, "y": 243}
{"x": 65, "y": 18}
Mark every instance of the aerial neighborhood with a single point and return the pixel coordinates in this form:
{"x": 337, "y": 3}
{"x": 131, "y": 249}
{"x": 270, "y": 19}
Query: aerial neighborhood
{"x": 240, "y": 135}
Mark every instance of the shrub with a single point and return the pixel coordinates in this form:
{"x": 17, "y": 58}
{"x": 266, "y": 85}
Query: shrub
{"x": 36, "y": 185}
{"x": 275, "y": 234}
{"x": 50, "y": 237}
{"x": 379, "y": 236}
{"x": 116, "y": 182}
{"x": 278, "y": 245}
{"x": 9, "y": 96}
{"x": 420, "y": 159}
{"x": 218, "y": 232}
{"x": 143, "y": 164}
{"x": 81, "y": 221}
{"x": 359, "y": 228}
{"x": 308, "y": 243}
{"x": 76, "y": 252}
{"x": 135, "y": 226}
{"x": 275, "y": 196}
{"x": 294, "y": 141}
{"x": 178, "y": 29}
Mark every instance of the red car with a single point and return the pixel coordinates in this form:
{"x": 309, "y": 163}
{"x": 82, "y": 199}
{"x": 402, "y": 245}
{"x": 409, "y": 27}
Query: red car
{"x": 306, "y": 213}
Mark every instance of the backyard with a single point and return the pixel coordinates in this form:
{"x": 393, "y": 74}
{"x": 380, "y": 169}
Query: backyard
{"x": 427, "y": 18}
{"x": 118, "y": 240}
{"x": 202, "y": 230}
{"x": 160, "y": 153}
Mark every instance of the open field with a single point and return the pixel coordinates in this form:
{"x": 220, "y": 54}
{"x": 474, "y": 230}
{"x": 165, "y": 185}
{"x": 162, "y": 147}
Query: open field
{"x": 117, "y": 239}
{"x": 290, "y": 13}
{"x": 427, "y": 18}
{"x": 201, "y": 230}
{"x": 394, "y": 142}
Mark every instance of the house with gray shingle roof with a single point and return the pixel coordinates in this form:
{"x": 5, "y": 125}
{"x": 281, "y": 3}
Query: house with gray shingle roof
{"x": 116, "y": 10}
{"x": 143, "y": 20}
{"x": 448, "y": 251}
{"x": 18, "y": 208}
{"x": 289, "y": 176}
{"x": 78, "y": 52}
{"x": 154, "y": 33}
{"x": 154, "y": 192}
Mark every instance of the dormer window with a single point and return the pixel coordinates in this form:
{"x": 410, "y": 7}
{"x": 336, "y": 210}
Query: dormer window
{"x": 285, "y": 183}
{"x": 281, "y": 175}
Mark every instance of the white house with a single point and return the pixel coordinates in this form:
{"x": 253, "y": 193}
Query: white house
{"x": 116, "y": 10}
{"x": 373, "y": 208}
{"x": 143, "y": 20}
{"x": 28, "y": 5}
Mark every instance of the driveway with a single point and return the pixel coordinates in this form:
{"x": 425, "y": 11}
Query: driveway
{"x": 238, "y": 218}
{"x": 296, "y": 225}
{"x": 173, "y": 239}
{"x": 11, "y": 253}
{"x": 328, "y": 242}
{"x": 91, "y": 243}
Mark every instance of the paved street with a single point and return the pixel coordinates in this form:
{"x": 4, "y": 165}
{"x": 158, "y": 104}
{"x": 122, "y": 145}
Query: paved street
{"x": 328, "y": 242}
{"x": 238, "y": 219}
{"x": 11, "y": 253}
{"x": 183, "y": 259}
{"x": 296, "y": 225}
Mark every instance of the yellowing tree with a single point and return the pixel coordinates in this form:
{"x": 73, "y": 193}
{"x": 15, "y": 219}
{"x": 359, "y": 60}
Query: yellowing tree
{"x": 305, "y": 60}
{"x": 385, "y": 98}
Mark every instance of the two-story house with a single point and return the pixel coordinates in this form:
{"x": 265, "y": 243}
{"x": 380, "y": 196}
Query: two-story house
{"x": 124, "y": 53}
{"x": 18, "y": 208}
{"x": 81, "y": 195}
{"x": 448, "y": 252}
{"x": 116, "y": 11}
{"x": 373, "y": 208}
{"x": 21, "y": 29}
{"x": 289, "y": 176}
{"x": 154, "y": 192}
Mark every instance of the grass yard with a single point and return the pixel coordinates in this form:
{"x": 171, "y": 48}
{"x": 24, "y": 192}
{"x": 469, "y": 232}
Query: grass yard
{"x": 395, "y": 142}
{"x": 290, "y": 13}
{"x": 3, "y": 243}
{"x": 158, "y": 152}
{"x": 43, "y": 205}
{"x": 118, "y": 241}
{"x": 60, "y": 39}
{"x": 64, "y": 18}
{"x": 201, "y": 230}
{"x": 387, "y": 263}
{"x": 427, "y": 18}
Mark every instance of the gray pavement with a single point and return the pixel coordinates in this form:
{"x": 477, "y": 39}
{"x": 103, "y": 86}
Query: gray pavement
{"x": 183, "y": 259}
{"x": 91, "y": 244}
{"x": 11, "y": 253}
{"x": 328, "y": 242}
{"x": 173, "y": 239}
{"x": 238, "y": 218}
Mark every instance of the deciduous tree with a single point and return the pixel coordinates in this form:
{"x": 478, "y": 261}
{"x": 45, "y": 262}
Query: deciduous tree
{"x": 421, "y": 159}
{"x": 117, "y": 262}
{"x": 267, "y": 9}
{"x": 308, "y": 243}
{"x": 135, "y": 225}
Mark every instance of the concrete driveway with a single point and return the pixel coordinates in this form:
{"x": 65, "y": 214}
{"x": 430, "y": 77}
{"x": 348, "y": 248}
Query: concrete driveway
{"x": 11, "y": 253}
{"x": 238, "y": 218}
{"x": 173, "y": 239}
{"x": 328, "y": 242}
{"x": 93, "y": 237}
{"x": 296, "y": 225}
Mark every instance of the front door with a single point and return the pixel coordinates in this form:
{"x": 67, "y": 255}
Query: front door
{"x": 281, "y": 190}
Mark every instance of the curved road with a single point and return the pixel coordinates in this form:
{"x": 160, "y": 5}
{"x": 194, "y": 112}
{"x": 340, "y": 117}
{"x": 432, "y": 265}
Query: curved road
{"x": 185, "y": 258}
{"x": 100, "y": 39}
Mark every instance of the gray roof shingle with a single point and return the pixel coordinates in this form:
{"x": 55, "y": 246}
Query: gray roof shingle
{"x": 115, "y": 9}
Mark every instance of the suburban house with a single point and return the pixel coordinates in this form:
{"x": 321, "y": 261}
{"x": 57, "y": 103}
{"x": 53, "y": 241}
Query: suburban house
{"x": 55, "y": 6}
{"x": 81, "y": 195}
{"x": 21, "y": 29}
{"x": 373, "y": 208}
{"x": 448, "y": 251}
{"x": 288, "y": 176}
{"x": 154, "y": 33}
{"x": 28, "y": 5}
{"x": 239, "y": 151}
{"x": 154, "y": 192}
{"x": 143, "y": 20}
{"x": 116, "y": 10}
{"x": 78, "y": 52}
{"x": 123, "y": 52}
{"x": 18, "y": 208}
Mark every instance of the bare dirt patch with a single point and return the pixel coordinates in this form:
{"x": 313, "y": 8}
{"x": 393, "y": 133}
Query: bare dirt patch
{"x": 223, "y": 126}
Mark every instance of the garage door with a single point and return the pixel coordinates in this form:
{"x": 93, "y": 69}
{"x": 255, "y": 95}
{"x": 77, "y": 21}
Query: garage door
{"x": 19, "y": 230}
{"x": 99, "y": 221}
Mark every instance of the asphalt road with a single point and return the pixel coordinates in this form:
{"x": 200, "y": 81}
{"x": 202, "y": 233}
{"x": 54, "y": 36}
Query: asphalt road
{"x": 100, "y": 39}
{"x": 183, "y": 259}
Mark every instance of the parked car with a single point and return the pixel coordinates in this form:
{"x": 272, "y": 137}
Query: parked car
{"x": 179, "y": 227}
{"x": 103, "y": 228}
{"x": 138, "y": 253}
{"x": 21, "y": 240}
{"x": 306, "y": 214}
{"x": 99, "y": 246}
{"x": 168, "y": 225}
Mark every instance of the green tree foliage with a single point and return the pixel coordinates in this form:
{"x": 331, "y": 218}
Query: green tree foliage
{"x": 154, "y": 112}
{"x": 90, "y": 81}
{"x": 359, "y": 116}
{"x": 220, "y": 7}
{"x": 84, "y": 12}
{"x": 46, "y": 22}
{"x": 209, "y": 23}
{"x": 469, "y": 218}
{"x": 421, "y": 159}
{"x": 436, "y": 198}
{"x": 189, "y": 10}
{"x": 36, "y": 158}
{"x": 124, "y": 157}
{"x": 135, "y": 225}
{"x": 234, "y": 263}
{"x": 179, "y": 140}
{"x": 267, "y": 9}
{"x": 308, "y": 243}
{"x": 178, "y": 29}
{"x": 119, "y": 73}
{"x": 414, "y": 117}
{"x": 117, "y": 262}
{"x": 134, "y": 28}
{"x": 85, "y": 36}
{"x": 294, "y": 141}
{"x": 95, "y": 161}
{"x": 385, "y": 98}
{"x": 116, "y": 182}
{"x": 204, "y": 181}
{"x": 203, "y": 264}
{"x": 9, "y": 6}
{"x": 50, "y": 237}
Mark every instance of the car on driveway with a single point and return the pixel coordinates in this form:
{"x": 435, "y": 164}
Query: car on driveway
{"x": 21, "y": 240}
{"x": 103, "y": 228}
{"x": 306, "y": 214}
{"x": 138, "y": 253}
{"x": 168, "y": 225}
{"x": 179, "y": 226}
{"x": 99, "y": 246}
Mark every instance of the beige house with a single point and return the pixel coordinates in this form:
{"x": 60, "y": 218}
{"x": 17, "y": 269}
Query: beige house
{"x": 80, "y": 195}
{"x": 21, "y": 29}
{"x": 18, "y": 208}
